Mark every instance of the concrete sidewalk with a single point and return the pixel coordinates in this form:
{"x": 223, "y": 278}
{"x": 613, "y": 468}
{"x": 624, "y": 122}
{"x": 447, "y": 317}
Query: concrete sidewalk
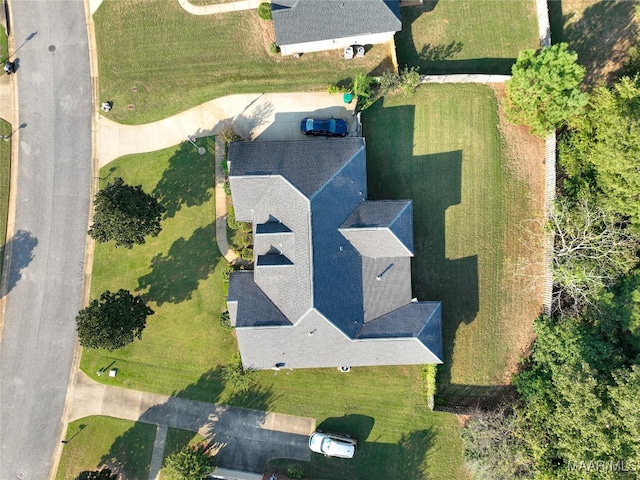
{"x": 242, "y": 439}
{"x": 269, "y": 116}
{"x": 219, "y": 7}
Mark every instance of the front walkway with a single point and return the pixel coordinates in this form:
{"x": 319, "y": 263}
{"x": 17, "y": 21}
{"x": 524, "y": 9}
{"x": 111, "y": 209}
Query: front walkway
{"x": 242, "y": 439}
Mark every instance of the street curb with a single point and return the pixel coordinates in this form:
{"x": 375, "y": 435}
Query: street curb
{"x": 13, "y": 184}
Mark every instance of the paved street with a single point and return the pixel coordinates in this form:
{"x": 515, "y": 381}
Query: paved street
{"x": 45, "y": 280}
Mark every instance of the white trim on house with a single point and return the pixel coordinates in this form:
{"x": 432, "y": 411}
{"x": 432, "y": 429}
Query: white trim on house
{"x": 336, "y": 43}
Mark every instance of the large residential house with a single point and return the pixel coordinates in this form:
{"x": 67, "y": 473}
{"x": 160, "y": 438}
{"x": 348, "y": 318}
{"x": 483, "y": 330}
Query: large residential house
{"x": 314, "y": 25}
{"x": 331, "y": 284}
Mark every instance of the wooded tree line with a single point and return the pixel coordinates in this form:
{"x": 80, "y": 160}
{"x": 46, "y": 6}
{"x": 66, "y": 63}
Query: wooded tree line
{"x": 578, "y": 409}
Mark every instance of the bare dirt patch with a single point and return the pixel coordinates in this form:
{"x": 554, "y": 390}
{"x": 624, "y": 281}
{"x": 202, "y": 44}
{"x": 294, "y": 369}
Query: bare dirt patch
{"x": 523, "y": 277}
{"x": 268, "y": 35}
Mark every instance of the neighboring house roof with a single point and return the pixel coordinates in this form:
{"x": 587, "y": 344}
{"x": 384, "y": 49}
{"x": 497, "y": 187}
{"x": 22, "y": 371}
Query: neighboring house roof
{"x": 301, "y": 21}
{"x": 324, "y": 256}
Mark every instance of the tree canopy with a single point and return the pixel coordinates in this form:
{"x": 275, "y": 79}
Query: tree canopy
{"x": 191, "y": 463}
{"x": 578, "y": 395}
{"x": 113, "y": 321}
{"x": 125, "y": 214}
{"x": 544, "y": 90}
{"x": 599, "y": 154}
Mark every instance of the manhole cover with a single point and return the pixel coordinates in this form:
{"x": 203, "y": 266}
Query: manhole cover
{"x": 20, "y": 474}
{"x": 52, "y": 48}
{"x": 130, "y": 106}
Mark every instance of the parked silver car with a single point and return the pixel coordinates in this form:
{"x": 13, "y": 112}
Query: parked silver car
{"x": 332, "y": 444}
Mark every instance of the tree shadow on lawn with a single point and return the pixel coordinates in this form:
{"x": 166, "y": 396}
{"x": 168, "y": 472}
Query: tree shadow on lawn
{"x": 440, "y": 58}
{"x": 21, "y": 247}
{"x": 176, "y": 275}
{"x": 188, "y": 180}
{"x": 240, "y": 438}
{"x": 433, "y": 182}
{"x": 406, "y": 459}
{"x": 600, "y": 37}
{"x": 355, "y": 425}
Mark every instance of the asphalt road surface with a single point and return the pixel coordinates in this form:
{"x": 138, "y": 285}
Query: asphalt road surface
{"x": 53, "y": 196}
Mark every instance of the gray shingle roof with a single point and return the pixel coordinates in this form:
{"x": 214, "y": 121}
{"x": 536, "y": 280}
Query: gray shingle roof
{"x": 382, "y": 228}
{"x": 301, "y": 21}
{"x": 307, "y": 269}
{"x": 386, "y": 285}
{"x": 307, "y": 165}
{"x": 251, "y": 306}
{"x": 406, "y": 321}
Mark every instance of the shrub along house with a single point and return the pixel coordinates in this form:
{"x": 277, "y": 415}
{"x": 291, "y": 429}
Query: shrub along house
{"x": 314, "y": 25}
{"x": 331, "y": 286}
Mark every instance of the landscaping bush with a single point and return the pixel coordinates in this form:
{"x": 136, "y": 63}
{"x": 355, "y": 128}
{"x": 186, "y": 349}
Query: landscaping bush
{"x": 236, "y": 376}
{"x": 295, "y": 472}
{"x": 273, "y": 48}
{"x": 264, "y": 11}
{"x": 227, "y": 134}
{"x": 225, "y": 321}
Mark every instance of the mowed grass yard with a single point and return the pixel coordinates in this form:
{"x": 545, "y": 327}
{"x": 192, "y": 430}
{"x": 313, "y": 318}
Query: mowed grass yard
{"x": 5, "y": 180}
{"x": 443, "y": 149}
{"x": 162, "y": 60}
{"x": 183, "y": 348}
{"x": 179, "y": 273}
{"x": 466, "y": 36}
{"x": 94, "y": 442}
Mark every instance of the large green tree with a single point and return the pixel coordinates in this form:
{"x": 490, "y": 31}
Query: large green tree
{"x": 578, "y": 395}
{"x": 599, "y": 153}
{"x": 125, "y": 214}
{"x": 545, "y": 88}
{"x": 113, "y": 321}
{"x": 190, "y": 463}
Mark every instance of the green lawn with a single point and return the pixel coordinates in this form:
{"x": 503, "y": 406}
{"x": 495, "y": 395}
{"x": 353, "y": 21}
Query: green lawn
{"x": 174, "y": 60}
{"x": 4, "y": 48}
{"x": 179, "y": 272}
{"x": 183, "y": 348}
{"x": 178, "y": 439}
{"x": 384, "y": 409}
{"x": 466, "y": 36}
{"x": 442, "y": 148}
{"x": 5, "y": 180}
{"x": 94, "y": 442}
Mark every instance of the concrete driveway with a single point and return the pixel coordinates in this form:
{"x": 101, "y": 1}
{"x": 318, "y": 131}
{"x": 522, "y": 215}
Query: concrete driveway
{"x": 242, "y": 439}
{"x": 269, "y": 116}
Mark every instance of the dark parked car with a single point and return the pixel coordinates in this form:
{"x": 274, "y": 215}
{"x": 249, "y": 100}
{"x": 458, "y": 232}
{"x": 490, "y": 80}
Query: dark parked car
{"x": 332, "y": 444}
{"x": 331, "y": 127}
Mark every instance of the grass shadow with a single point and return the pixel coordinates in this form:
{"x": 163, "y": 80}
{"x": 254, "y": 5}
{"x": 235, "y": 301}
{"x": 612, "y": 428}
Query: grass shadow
{"x": 21, "y": 246}
{"x": 462, "y": 399}
{"x": 355, "y": 425}
{"x": 601, "y": 36}
{"x": 176, "y": 275}
{"x": 407, "y": 459}
{"x": 186, "y": 181}
{"x": 130, "y": 454}
{"x": 400, "y": 174}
